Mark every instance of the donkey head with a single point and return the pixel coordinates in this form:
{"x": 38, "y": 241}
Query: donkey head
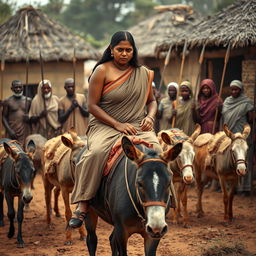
{"x": 74, "y": 142}
{"x": 239, "y": 147}
{"x": 24, "y": 171}
{"x": 186, "y": 156}
{"x": 152, "y": 183}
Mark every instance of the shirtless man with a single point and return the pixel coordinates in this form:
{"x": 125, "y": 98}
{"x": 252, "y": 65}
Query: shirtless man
{"x": 15, "y": 119}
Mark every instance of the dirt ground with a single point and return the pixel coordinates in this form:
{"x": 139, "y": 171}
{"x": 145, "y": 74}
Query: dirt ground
{"x": 207, "y": 236}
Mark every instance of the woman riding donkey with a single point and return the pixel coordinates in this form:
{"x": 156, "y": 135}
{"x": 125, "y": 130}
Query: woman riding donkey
{"x": 119, "y": 91}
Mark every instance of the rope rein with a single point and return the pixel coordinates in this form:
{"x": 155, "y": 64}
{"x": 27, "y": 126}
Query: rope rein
{"x": 144, "y": 204}
{"x": 129, "y": 192}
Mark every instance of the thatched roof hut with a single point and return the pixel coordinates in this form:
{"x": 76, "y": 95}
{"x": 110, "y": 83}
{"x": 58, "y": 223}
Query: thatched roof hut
{"x": 235, "y": 24}
{"x": 169, "y": 21}
{"x": 30, "y": 30}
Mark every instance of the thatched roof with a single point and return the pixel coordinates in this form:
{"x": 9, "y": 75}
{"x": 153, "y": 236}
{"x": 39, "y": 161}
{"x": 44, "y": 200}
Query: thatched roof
{"x": 235, "y": 24}
{"x": 30, "y": 29}
{"x": 169, "y": 21}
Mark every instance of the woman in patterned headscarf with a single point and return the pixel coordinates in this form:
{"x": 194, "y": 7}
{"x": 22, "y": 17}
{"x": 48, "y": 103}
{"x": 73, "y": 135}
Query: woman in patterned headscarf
{"x": 208, "y": 102}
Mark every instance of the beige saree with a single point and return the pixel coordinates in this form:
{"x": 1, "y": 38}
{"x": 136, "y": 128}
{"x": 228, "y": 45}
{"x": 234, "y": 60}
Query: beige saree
{"x": 124, "y": 99}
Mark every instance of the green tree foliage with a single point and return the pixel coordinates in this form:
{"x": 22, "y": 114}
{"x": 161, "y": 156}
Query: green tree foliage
{"x": 220, "y": 4}
{"x": 96, "y": 20}
{"x": 6, "y": 9}
{"x": 54, "y": 9}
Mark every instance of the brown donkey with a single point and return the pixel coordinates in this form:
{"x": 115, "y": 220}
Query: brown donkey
{"x": 222, "y": 158}
{"x": 58, "y": 172}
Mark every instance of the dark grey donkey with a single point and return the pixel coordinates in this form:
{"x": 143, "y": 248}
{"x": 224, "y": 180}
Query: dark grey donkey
{"x": 16, "y": 174}
{"x": 135, "y": 198}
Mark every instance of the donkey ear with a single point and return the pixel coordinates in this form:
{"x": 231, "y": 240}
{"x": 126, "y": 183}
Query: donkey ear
{"x": 166, "y": 138}
{"x": 66, "y": 141}
{"x": 13, "y": 154}
{"x": 195, "y": 134}
{"x": 171, "y": 153}
{"x": 31, "y": 146}
{"x": 131, "y": 151}
{"x": 246, "y": 131}
{"x": 228, "y": 132}
{"x": 73, "y": 133}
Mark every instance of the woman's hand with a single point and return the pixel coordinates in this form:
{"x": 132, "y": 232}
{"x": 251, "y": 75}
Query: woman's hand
{"x": 125, "y": 128}
{"x": 147, "y": 124}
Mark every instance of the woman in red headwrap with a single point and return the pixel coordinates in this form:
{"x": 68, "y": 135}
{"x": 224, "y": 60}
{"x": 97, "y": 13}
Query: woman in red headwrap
{"x": 208, "y": 102}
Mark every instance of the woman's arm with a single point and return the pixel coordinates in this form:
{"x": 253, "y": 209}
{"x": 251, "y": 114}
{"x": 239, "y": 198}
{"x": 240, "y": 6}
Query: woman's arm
{"x": 148, "y": 122}
{"x": 95, "y": 91}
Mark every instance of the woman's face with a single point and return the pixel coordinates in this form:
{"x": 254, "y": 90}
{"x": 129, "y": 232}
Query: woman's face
{"x": 185, "y": 92}
{"x": 206, "y": 91}
{"x": 235, "y": 91}
{"x": 172, "y": 92}
{"x": 122, "y": 52}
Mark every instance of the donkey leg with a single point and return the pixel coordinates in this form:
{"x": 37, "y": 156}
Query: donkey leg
{"x": 47, "y": 196}
{"x": 119, "y": 241}
{"x": 20, "y": 217}
{"x": 68, "y": 214}
{"x": 184, "y": 199}
{"x": 56, "y": 201}
{"x": 10, "y": 214}
{"x": 150, "y": 246}
{"x": 225, "y": 196}
{"x": 91, "y": 221}
{"x": 230, "y": 200}
{"x": 1, "y": 209}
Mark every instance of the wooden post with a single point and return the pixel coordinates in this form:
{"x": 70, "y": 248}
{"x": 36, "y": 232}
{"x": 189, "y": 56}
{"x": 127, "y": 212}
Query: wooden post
{"x": 253, "y": 137}
{"x": 74, "y": 77}
{"x": 166, "y": 62}
{"x": 42, "y": 77}
{"x": 221, "y": 84}
{"x": 26, "y": 86}
{"x": 2, "y": 94}
{"x": 180, "y": 77}
{"x": 200, "y": 61}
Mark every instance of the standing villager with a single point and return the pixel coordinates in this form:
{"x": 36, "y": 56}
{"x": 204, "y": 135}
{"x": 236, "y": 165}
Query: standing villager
{"x": 183, "y": 112}
{"x": 73, "y": 110}
{"x": 236, "y": 112}
{"x": 43, "y": 113}
{"x": 120, "y": 90}
{"x": 15, "y": 118}
{"x": 166, "y": 106}
{"x": 208, "y": 102}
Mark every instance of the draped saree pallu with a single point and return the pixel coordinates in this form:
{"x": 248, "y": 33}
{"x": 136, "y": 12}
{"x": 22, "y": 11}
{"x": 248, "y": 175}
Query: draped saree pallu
{"x": 123, "y": 99}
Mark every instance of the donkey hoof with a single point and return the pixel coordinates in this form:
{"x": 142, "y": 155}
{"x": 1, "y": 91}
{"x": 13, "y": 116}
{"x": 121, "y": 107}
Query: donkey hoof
{"x": 20, "y": 245}
{"x": 57, "y": 214}
{"x": 10, "y": 234}
{"x": 187, "y": 226}
{"x": 82, "y": 238}
{"x": 69, "y": 242}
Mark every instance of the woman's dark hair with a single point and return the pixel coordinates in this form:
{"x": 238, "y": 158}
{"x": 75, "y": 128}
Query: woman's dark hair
{"x": 115, "y": 40}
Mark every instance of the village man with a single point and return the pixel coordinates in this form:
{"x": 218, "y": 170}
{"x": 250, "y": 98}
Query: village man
{"x": 73, "y": 110}
{"x": 43, "y": 113}
{"x": 14, "y": 116}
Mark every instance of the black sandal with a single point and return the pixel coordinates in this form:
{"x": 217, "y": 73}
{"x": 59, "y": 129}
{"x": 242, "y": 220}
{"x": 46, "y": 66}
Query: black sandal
{"x": 77, "y": 221}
